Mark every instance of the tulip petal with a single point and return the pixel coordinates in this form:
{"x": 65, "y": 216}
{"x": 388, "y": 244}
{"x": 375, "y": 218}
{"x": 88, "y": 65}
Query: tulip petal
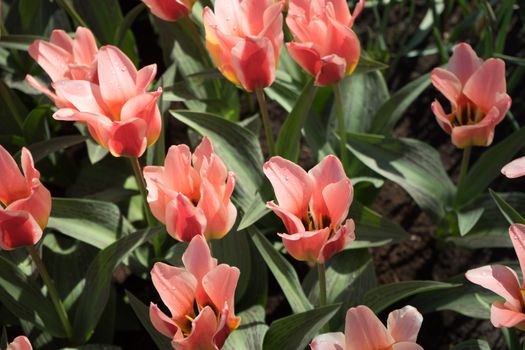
{"x": 502, "y": 280}
{"x": 84, "y": 46}
{"x": 144, "y": 106}
{"x": 447, "y": 83}
{"x": 128, "y": 138}
{"x": 218, "y": 220}
{"x": 292, "y": 185}
{"x": 364, "y": 331}
{"x": 18, "y": 229}
{"x": 305, "y": 246}
{"x": 145, "y": 77}
{"x": 53, "y": 59}
{"x": 444, "y": 120}
{"x": 197, "y": 258}
{"x": 161, "y": 322}
{"x": 486, "y": 84}
{"x": 219, "y": 285}
{"x": 13, "y": 185}
{"x": 338, "y": 197}
{"x": 292, "y": 223}
{"x": 404, "y": 324}
{"x": 305, "y": 56}
{"x": 180, "y": 176}
{"x": 168, "y": 10}
{"x": 406, "y": 345}
{"x": 332, "y": 70}
{"x": 202, "y": 332}
{"x": 464, "y": 62}
{"x": 83, "y": 95}
{"x": 328, "y": 341}
{"x": 183, "y": 219}
{"x": 344, "y": 235}
{"x": 20, "y": 343}
{"x": 502, "y": 316}
{"x": 38, "y": 85}
{"x": 37, "y": 204}
{"x": 226, "y": 325}
{"x": 61, "y": 39}
{"x": 517, "y": 236}
{"x": 176, "y": 288}
{"x": 514, "y": 169}
{"x": 253, "y": 61}
{"x": 157, "y": 199}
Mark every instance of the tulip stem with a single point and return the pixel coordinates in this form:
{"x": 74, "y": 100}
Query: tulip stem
{"x": 341, "y": 124}
{"x": 321, "y": 270}
{"x": 259, "y": 92}
{"x": 464, "y": 165}
{"x": 53, "y": 293}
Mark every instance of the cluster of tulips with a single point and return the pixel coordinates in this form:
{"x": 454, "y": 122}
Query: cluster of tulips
{"x": 191, "y": 193}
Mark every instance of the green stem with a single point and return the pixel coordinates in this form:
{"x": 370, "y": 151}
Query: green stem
{"x": 51, "y": 290}
{"x": 321, "y": 271}
{"x": 341, "y": 124}
{"x": 464, "y": 165}
{"x": 259, "y": 92}
{"x": 66, "y": 5}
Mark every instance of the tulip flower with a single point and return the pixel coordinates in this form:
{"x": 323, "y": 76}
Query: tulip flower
{"x": 191, "y": 193}
{"x": 26, "y": 203}
{"x": 477, "y": 94}
{"x": 325, "y": 44}
{"x": 503, "y": 281}
{"x": 312, "y": 207}
{"x": 20, "y": 343}
{"x": 63, "y": 58}
{"x": 170, "y": 10}
{"x": 203, "y": 283}
{"x": 514, "y": 169}
{"x": 364, "y": 331}
{"x": 121, "y": 116}
{"x": 244, "y": 38}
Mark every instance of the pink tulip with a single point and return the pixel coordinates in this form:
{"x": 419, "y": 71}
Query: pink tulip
{"x": 503, "y": 281}
{"x": 312, "y": 206}
{"x": 364, "y": 331}
{"x": 244, "y": 38}
{"x": 203, "y": 283}
{"x": 20, "y": 343}
{"x": 63, "y": 58}
{"x": 477, "y": 94}
{"x": 170, "y": 10}
{"x": 514, "y": 169}
{"x": 120, "y": 114}
{"x": 191, "y": 193}
{"x": 325, "y": 45}
{"x": 26, "y": 202}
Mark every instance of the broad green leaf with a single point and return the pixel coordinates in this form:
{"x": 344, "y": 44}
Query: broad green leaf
{"x": 91, "y": 221}
{"x": 142, "y": 312}
{"x": 379, "y": 298}
{"x": 468, "y": 219}
{"x": 34, "y": 126}
{"x": 18, "y": 41}
{"x": 289, "y": 140}
{"x": 296, "y": 331}
{"x": 250, "y": 334}
{"x": 238, "y": 147}
{"x": 511, "y": 59}
{"x": 283, "y": 272}
{"x": 511, "y": 214}
{"x": 412, "y": 164}
{"x": 40, "y": 150}
{"x": 392, "y": 110}
{"x": 253, "y": 213}
{"x": 488, "y": 167}
{"x": 473, "y": 344}
{"x": 23, "y": 298}
{"x": 372, "y": 229}
{"x": 349, "y": 275}
{"x": 126, "y": 23}
{"x": 98, "y": 280}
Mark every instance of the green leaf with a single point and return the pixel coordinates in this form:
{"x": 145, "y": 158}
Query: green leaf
{"x": 253, "y": 213}
{"x": 142, "y": 312}
{"x": 296, "y": 331}
{"x": 94, "y": 222}
{"x": 392, "y": 110}
{"x": 93, "y": 300}
{"x": 511, "y": 214}
{"x": 412, "y": 164}
{"x": 23, "y": 298}
{"x": 283, "y": 272}
{"x": 126, "y": 23}
{"x": 34, "y": 126}
{"x": 238, "y": 147}
{"x": 511, "y": 59}
{"x": 250, "y": 334}
{"x": 372, "y": 229}
{"x": 378, "y": 299}
{"x": 289, "y": 139}
{"x": 488, "y": 167}
{"x": 40, "y": 150}
{"x": 473, "y": 344}
{"x": 18, "y": 41}
{"x": 468, "y": 219}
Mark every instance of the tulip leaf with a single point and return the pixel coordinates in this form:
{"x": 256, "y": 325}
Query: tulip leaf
{"x": 283, "y": 272}
{"x": 250, "y": 334}
{"x": 467, "y": 219}
{"x": 349, "y": 275}
{"x": 42, "y": 149}
{"x": 393, "y": 109}
{"x": 412, "y": 164}
{"x": 511, "y": 214}
{"x": 473, "y": 344}
{"x": 488, "y": 167}
{"x": 379, "y": 298}
{"x": 23, "y": 298}
{"x": 289, "y": 140}
{"x": 142, "y": 313}
{"x": 95, "y": 295}
{"x": 296, "y": 331}
{"x": 93, "y": 222}
{"x": 238, "y": 147}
